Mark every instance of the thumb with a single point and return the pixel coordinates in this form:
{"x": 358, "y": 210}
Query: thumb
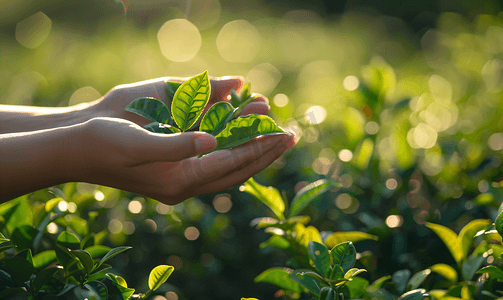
{"x": 175, "y": 147}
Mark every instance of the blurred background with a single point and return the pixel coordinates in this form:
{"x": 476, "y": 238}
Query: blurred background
{"x": 398, "y": 100}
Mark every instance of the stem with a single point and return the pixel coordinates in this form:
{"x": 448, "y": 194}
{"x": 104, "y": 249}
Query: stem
{"x": 243, "y": 105}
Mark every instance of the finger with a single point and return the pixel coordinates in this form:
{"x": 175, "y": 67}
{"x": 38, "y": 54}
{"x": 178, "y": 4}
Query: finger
{"x": 240, "y": 176}
{"x": 199, "y": 171}
{"x": 172, "y": 147}
{"x": 260, "y": 108}
{"x": 221, "y": 87}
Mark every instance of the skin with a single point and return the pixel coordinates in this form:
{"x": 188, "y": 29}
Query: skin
{"x": 101, "y": 143}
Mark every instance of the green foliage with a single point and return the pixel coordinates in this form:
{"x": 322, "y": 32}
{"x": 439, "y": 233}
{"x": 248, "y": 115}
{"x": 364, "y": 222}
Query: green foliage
{"x": 221, "y": 120}
{"x": 190, "y": 99}
{"x": 66, "y": 271}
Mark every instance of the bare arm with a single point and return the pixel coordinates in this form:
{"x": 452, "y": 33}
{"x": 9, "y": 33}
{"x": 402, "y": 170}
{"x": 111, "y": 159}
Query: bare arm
{"x": 34, "y": 160}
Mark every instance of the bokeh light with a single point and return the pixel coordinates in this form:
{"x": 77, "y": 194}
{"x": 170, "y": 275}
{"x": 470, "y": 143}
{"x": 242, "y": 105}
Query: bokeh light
{"x": 171, "y": 296}
{"x": 372, "y": 127}
{"x": 135, "y": 206}
{"x": 84, "y": 94}
{"x": 163, "y": 209}
{"x": 179, "y": 40}
{"x": 351, "y": 83}
{"x": 280, "y": 100}
{"x": 191, "y": 233}
{"x": 52, "y": 228}
{"x": 99, "y": 196}
{"x": 115, "y": 226}
{"x": 238, "y": 41}
{"x": 63, "y": 206}
{"x": 391, "y": 183}
{"x": 222, "y": 203}
{"x": 316, "y": 114}
{"x": 264, "y": 78}
{"x": 345, "y": 155}
{"x": 393, "y": 221}
{"x": 495, "y": 141}
{"x": 32, "y": 31}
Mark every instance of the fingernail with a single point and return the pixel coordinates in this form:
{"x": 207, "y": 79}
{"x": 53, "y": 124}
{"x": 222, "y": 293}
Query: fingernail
{"x": 204, "y": 143}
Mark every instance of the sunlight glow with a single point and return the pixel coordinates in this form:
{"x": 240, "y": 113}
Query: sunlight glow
{"x": 280, "y": 100}
{"x": 238, "y": 41}
{"x": 52, "y": 228}
{"x": 351, "y": 83}
{"x": 179, "y": 40}
{"x": 32, "y": 31}
{"x": 316, "y": 114}
{"x": 63, "y": 206}
{"x": 345, "y": 155}
{"x": 99, "y": 196}
{"x": 394, "y": 221}
{"x": 135, "y": 206}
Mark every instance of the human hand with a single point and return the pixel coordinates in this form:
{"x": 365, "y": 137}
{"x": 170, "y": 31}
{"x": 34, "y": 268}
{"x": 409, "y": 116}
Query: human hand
{"x": 114, "y": 102}
{"x": 121, "y": 154}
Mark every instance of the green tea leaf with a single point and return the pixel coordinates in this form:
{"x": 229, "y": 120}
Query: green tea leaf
{"x": 353, "y": 272}
{"x": 44, "y": 259}
{"x": 23, "y": 237}
{"x": 99, "y": 289}
{"x": 327, "y": 293}
{"x": 44, "y": 276}
{"x": 244, "y": 129}
{"x": 307, "y": 194}
{"x": 468, "y": 232}
{"x": 190, "y": 99}
{"x": 379, "y": 282}
{"x": 113, "y": 253}
{"x": 446, "y": 271}
{"x": 320, "y": 256}
{"x": 150, "y": 108}
{"x": 280, "y": 277}
{"x": 450, "y": 239}
{"x": 349, "y": 236}
{"x": 99, "y": 272}
{"x": 68, "y": 240}
{"x": 216, "y": 118}
{"x": 276, "y": 241}
{"x": 159, "y": 275}
{"x": 6, "y": 279}
{"x": 21, "y": 215}
{"x": 171, "y": 88}
{"x": 235, "y": 99}
{"x": 3, "y": 239}
{"x": 161, "y": 128}
{"x": 85, "y": 258}
{"x": 19, "y": 268}
{"x": 117, "y": 279}
{"x": 336, "y": 273}
{"x": 494, "y": 272}
{"x": 413, "y": 295}
{"x": 417, "y": 279}
{"x": 116, "y": 290}
{"x": 14, "y": 293}
{"x": 310, "y": 234}
{"x": 498, "y": 223}
{"x": 401, "y": 278}
{"x": 471, "y": 265}
{"x": 245, "y": 91}
{"x": 97, "y": 250}
{"x": 344, "y": 254}
{"x": 270, "y": 196}
{"x": 357, "y": 288}
{"x": 306, "y": 281}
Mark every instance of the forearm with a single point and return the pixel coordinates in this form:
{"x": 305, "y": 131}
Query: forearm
{"x": 30, "y": 161}
{"x": 17, "y": 118}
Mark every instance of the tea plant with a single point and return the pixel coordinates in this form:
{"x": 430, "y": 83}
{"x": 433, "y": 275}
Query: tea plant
{"x": 71, "y": 268}
{"x": 330, "y": 274}
{"x": 221, "y": 119}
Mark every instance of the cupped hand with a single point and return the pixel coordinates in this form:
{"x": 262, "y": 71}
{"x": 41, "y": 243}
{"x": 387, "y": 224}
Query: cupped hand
{"x": 114, "y": 102}
{"x": 121, "y": 154}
